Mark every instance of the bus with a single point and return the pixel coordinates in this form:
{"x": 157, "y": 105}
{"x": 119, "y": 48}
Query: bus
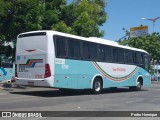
{"x": 64, "y": 61}
{"x": 6, "y": 68}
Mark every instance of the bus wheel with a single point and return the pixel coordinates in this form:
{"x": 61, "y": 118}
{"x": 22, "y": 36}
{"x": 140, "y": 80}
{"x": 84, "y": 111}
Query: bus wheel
{"x": 97, "y": 86}
{"x": 138, "y": 86}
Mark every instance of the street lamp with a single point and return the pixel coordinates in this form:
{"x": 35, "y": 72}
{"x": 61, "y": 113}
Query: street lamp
{"x": 153, "y": 20}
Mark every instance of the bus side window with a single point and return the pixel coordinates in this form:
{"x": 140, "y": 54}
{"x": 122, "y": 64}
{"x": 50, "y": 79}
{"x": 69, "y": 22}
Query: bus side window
{"x": 77, "y": 50}
{"x": 120, "y": 55}
{"x": 74, "y": 49}
{"x": 129, "y": 58}
{"x": 133, "y": 57}
{"x": 115, "y": 54}
{"x": 139, "y": 59}
{"x": 101, "y": 53}
{"x": 71, "y": 48}
{"x": 93, "y": 51}
{"x": 6, "y": 62}
{"x": 60, "y": 46}
{"x": 86, "y": 51}
{"x": 108, "y": 54}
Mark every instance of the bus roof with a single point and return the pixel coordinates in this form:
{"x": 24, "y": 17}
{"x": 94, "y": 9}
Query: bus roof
{"x": 90, "y": 39}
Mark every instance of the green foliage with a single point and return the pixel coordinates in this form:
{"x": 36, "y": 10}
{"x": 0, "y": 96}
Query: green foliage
{"x": 19, "y": 16}
{"x": 52, "y": 13}
{"x": 60, "y": 25}
{"x": 82, "y": 17}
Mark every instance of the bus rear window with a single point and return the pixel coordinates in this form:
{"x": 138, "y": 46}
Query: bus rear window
{"x": 30, "y": 41}
{"x": 32, "y": 34}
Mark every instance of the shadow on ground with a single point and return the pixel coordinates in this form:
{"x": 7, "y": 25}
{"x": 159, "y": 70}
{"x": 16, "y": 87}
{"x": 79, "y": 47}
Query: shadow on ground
{"x": 57, "y": 93}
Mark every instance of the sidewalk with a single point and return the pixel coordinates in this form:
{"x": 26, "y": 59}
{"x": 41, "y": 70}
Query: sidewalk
{"x": 155, "y": 82}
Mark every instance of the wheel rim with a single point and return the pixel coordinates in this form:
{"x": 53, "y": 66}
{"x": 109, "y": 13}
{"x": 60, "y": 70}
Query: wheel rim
{"x": 97, "y": 86}
{"x": 139, "y": 85}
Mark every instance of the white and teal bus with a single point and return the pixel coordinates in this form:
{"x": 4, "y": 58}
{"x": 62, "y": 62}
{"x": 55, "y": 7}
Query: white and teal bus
{"x": 64, "y": 61}
{"x": 6, "y": 68}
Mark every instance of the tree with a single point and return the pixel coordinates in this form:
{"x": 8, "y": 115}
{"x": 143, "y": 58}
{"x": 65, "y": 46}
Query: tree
{"x": 22, "y": 16}
{"x": 52, "y": 13}
{"x": 18, "y": 16}
{"x": 83, "y": 18}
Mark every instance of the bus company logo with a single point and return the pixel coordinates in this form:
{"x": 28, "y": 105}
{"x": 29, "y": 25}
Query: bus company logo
{"x": 31, "y": 63}
{"x": 119, "y": 69}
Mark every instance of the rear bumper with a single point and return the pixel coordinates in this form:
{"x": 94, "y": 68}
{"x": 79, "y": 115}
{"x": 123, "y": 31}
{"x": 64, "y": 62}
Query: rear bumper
{"x": 47, "y": 82}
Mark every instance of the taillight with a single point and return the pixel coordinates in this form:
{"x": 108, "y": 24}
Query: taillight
{"x": 47, "y": 71}
{"x": 16, "y": 75}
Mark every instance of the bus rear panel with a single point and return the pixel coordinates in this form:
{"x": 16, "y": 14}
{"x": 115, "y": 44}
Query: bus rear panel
{"x": 32, "y": 67}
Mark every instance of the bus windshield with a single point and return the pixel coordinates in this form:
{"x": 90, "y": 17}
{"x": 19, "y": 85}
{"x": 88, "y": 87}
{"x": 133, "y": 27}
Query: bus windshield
{"x": 6, "y": 62}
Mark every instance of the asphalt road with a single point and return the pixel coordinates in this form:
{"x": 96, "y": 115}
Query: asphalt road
{"x": 48, "y": 99}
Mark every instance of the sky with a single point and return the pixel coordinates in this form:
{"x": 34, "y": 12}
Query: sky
{"x": 128, "y": 13}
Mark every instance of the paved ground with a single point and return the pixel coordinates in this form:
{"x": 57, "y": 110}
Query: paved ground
{"x": 47, "y": 99}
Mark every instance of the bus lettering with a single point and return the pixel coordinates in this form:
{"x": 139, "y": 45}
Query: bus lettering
{"x": 119, "y": 69}
{"x": 22, "y": 69}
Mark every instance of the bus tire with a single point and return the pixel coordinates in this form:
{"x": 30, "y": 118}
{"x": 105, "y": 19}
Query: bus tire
{"x": 97, "y": 86}
{"x": 138, "y": 86}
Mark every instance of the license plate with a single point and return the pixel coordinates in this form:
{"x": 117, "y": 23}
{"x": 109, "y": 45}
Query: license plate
{"x": 31, "y": 83}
